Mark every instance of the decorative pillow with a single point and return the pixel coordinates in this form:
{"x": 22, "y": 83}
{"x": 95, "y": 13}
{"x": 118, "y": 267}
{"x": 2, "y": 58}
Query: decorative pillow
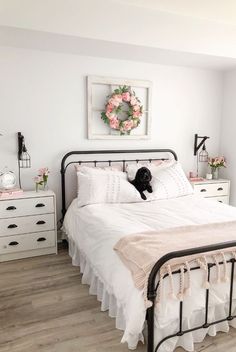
{"x": 132, "y": 168}
{"x": 117, "y": 167}
{"x": 170, "y": 182}
{"x": 104, "y": 186}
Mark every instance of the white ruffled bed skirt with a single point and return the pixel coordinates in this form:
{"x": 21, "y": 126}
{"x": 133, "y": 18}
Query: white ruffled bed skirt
{"x": 109, "y": 303}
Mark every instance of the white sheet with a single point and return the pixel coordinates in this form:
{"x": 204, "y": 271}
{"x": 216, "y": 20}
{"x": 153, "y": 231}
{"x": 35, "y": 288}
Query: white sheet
{"x": 95, "y": 229}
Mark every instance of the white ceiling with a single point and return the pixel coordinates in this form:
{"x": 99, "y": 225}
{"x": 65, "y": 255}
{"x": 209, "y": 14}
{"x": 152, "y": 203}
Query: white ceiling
{"x": 199, "y": 33}
{"x": 214, "y": 10}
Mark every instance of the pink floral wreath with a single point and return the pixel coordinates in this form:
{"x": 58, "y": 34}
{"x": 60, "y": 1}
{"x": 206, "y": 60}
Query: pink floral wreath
{"x": 114, "y": 106}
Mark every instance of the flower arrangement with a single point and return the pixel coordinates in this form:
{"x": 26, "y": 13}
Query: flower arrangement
{"x": 217, "y": 162}
{"x": 114, "y": 107}
{"x": 42, "y": 178}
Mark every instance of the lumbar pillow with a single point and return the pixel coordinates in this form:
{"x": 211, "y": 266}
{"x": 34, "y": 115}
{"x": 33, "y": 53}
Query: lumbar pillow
{"x": 142, "y": 181}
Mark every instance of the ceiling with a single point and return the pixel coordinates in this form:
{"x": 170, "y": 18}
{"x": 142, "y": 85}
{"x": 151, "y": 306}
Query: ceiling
{"x": 214, "y": 10}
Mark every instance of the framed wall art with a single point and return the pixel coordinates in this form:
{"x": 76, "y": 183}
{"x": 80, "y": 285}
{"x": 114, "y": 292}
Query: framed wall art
{"x": 118, "y": 108}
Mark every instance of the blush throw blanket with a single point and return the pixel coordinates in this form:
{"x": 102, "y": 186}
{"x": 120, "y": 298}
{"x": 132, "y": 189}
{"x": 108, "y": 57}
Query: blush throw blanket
{"x": 139, "y": 252}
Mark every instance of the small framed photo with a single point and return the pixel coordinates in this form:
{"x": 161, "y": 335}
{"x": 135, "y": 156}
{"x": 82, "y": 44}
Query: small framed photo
{"x": 128, "y": 116}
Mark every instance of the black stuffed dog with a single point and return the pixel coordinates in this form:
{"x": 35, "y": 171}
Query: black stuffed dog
{"x": 142, "y": 181}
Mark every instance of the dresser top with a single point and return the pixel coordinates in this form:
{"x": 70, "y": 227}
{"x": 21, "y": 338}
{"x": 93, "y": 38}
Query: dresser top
{"x": 28, "y": 194}
{"x": 205, "y": 181}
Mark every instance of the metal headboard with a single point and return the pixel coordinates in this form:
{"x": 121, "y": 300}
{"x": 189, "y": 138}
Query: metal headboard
{"x": 65, "y": 163}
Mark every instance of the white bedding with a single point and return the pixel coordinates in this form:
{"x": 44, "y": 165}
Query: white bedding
{"x": 93, "y": 230}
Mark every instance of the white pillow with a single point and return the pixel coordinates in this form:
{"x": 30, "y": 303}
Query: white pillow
{"x": 104, "y": 186}
{"x": 170, "y": 182}
{"x": 154, "y": 166}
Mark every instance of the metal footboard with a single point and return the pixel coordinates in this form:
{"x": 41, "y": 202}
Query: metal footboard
{"x": 153, "y": 287}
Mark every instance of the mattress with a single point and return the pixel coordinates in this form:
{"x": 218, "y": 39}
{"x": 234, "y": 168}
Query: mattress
{"x": 93, "y": 231}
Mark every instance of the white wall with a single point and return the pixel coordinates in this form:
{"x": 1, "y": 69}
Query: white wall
{"x": 228, "y": 130}
{"x": 43, "y": 96}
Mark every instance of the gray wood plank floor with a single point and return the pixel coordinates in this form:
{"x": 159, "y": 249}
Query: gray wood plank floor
{"x": 44, "y": 307}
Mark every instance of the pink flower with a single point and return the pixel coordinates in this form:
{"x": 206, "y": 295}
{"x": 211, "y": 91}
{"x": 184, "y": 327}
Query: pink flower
{"x": 109, "y": 108}
{"x": 112, "y": 116}
{"x": 133, "y": 100}
{"x": 114, "y": 123}
{"x": 43, "y": 171}
{"x": 136, "y": 107}
{"x": 115, "y": 100}
{"x": 126, "y": 96}
{"x": 137, "y": 113}
{"x": 38, "y": 179}
{"x": 128, "y": 125}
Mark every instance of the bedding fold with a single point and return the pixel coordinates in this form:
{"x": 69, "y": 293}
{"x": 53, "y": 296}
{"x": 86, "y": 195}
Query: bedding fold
{"x": 139, "y": 252}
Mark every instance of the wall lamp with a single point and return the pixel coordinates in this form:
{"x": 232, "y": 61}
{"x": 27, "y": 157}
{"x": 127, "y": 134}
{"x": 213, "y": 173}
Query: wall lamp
{"x": 23, "y": 156}
{"x": 199, "y": 141}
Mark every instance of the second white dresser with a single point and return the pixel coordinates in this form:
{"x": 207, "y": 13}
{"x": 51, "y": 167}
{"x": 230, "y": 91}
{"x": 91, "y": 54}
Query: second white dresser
{"x": 217, "y": 190}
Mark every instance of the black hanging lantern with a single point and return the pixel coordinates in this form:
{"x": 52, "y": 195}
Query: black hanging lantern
{"x": 24, "y": 159}
{"x": 203, "y": 155}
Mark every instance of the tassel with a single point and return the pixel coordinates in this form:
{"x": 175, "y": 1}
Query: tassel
{"x": 171, "y": 293}
{"x": 225, "y": 278}
{"x": 217, "y": 281}
{"x": 181, "y": 284}
{"x": 159, "y": 290}
{"x": 187, "y": 290}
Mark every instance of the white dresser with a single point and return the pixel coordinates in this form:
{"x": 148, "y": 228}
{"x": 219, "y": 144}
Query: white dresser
{"x": 216, "y": 190}
{"x": 28, "y": 225}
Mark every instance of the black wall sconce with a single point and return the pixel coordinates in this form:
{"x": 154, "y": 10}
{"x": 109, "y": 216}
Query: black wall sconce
{"x": 23, "y": 156}
{"x": 24, "y": 160}
{"x": 203, "y": 155}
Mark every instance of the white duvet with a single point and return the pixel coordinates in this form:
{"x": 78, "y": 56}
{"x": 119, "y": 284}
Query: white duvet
{"x": 95, "y": 229}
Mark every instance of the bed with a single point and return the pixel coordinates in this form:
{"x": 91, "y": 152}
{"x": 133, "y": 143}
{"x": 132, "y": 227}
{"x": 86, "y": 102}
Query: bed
{"x": 93, "y": 231}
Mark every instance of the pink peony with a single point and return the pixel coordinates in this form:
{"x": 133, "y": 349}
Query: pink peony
{"x": 112, "y": 116}
{"x": 133, "y": 100}
{"x": 128, "y": 125}
{"x": 38, "y": 179}
{"x": 109, "y": 108}
{"x": 114, "y": 123}
{"x": 136, "y": 107}
{"x": 43, "y": 171}
{"x": 137, "y": 113}
{"x": 126, "y": 96}
{"x": 115, "y": 100}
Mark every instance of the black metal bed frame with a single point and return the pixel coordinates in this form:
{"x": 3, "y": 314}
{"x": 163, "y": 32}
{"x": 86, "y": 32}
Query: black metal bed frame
{"x": 153, "y": 283}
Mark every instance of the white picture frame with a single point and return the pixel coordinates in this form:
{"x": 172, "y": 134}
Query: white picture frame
{"x": 98, "y": 88}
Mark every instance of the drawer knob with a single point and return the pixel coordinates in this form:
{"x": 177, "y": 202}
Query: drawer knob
{"x": 39, "y": 205}
{"x": 40, "y": 222}
{"x": 220, "y": 189}
{"x": 220, "y": 201}
{"x": 12, "y": 226}
{"x": 203, "y": 190}
{"x": 13, "y": 243}
{"x": 11, "y": 208}
{"x": 41, "y": 239}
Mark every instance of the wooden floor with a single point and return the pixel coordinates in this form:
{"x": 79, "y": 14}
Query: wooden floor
{"x": 44, "y": 307}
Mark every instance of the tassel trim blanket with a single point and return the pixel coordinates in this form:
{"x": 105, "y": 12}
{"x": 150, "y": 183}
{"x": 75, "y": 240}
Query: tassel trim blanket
{"x": 139, "y": 252}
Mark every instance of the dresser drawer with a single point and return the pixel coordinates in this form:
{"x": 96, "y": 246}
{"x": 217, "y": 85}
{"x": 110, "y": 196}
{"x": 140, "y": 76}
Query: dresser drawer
{"x": 28, "y": 206}
{"x": 212, "y": 189}
{"x": 26, "y": 224}
{"x": 20, "y": 243}
{"x": 221, "y": 199}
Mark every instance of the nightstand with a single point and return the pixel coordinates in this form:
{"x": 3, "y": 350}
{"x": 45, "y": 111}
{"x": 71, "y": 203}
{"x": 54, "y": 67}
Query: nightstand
{"x": 216, "y": 190}
{"x": 28, "y": 225}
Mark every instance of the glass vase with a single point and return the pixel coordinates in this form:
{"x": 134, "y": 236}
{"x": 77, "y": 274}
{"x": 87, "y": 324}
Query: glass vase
{"x": 215, "y": 173}
{"x": 45, "y": 186}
